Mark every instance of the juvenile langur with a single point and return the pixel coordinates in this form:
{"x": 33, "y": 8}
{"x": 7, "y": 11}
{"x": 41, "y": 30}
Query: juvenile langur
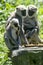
{"x": 19, "y": 13}
{"x": 30, "y": 25}
{"x": 11, "y": 35}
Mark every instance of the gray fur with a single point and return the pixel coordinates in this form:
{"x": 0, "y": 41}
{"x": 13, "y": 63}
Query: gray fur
{"x": 22, "y": 37}
{"x": 12, "y": 35}
{"x": 30, "y": 25}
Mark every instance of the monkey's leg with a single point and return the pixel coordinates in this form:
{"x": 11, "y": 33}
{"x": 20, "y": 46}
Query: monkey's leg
{"x": 34, "y": 39}
{"x": 9, "y": 43}
{"x": 23, "y": 37}
{"x": 37, "y": 38}
{"x": 30, "y": 34}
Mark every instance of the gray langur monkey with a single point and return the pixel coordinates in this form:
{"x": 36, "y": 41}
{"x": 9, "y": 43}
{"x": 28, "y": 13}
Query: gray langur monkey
{"x": 30, "y": 25}
{"x": 11, "y": 36}
{"x": 19, "y": 13}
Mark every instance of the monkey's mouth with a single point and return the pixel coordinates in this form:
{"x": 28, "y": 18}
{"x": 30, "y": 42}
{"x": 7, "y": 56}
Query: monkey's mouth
{"x": 23, "y": 12}
{"x": 30, "y": 13}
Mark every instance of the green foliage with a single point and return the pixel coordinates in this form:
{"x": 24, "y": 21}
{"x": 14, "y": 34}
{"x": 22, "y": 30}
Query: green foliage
{"x": 6, "y": 7}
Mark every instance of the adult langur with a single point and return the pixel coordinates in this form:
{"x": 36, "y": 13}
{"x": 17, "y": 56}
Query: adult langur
{"x": 31, "y": 26}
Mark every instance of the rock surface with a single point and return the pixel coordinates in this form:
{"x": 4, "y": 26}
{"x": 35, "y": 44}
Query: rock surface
{"x": 28, "y": 56}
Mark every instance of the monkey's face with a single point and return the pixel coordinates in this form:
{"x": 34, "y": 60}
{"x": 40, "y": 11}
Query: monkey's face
{"x": 21, "y": 10}
{"x": 31, "y": 10}
{"x": 15, "y": 24}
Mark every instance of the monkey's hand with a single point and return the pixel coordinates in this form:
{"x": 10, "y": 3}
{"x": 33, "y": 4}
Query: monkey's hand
{"x": 37, "y": 29}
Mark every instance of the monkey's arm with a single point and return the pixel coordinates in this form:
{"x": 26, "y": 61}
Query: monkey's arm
{"x": 37, "y": 26}
{"x": 23, "y": 37}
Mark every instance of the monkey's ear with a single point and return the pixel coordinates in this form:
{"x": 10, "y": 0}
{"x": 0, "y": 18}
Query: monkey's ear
{"x": 17, "y": 8}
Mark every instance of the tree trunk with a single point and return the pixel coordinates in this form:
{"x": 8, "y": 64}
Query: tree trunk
{"x": 28, "y": 56}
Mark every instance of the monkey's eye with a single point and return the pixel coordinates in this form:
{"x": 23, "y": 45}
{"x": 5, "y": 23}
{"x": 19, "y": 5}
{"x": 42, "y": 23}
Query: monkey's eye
{"x": 15, "y": 24}
{"x": 23, "y": 12}
{"x": 30, "y": 12}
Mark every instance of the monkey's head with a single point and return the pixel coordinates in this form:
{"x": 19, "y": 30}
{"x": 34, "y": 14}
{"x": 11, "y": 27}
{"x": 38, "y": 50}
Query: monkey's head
{"x": 31, "y": 9}
{"x": 14, "y": 23}
{"x": 21, "y": 10}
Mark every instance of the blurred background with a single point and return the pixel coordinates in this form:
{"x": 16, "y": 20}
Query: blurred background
{"x": 6, "y": 7}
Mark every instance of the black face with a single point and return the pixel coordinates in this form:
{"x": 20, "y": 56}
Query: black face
{"x": 23, "y": 12}
{"x": 15, "y": 24}
{"x": 30, "y": 12}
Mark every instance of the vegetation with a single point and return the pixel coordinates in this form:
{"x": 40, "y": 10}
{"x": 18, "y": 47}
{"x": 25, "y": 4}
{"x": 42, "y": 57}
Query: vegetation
{"x": 6, "y": 7}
